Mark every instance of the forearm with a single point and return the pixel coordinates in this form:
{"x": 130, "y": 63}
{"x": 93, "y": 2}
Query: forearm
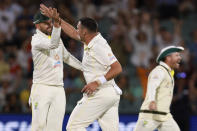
{"x": 74, "y": 62}
{"x": 114, "y": 71}
{"x": 152, "y": 94}
{"x": 69, "y": 30}
{"x": 152, "y": 87}
{"x": 154, "y": 81}
{"x": 156, "y": 26}
{"x": 177, "y": 27}
{"x": 39, "y": 43}
{"x": 55, "y": 38}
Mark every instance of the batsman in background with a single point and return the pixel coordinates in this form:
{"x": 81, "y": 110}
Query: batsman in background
{"x": 47, "y": 97}
{"x": 155, "y": 110}
{"x": 101, "y": 94}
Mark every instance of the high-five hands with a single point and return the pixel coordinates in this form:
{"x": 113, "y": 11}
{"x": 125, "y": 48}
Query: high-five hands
{"x": 51, "y": 13}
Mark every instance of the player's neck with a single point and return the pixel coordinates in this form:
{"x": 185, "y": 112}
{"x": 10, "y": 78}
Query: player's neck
{"x": 90, "y": 37}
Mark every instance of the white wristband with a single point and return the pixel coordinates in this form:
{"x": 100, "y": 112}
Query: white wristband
{"x": 102, "y": 79}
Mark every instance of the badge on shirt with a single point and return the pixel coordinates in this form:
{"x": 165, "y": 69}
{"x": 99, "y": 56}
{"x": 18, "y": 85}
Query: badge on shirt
{"x": 155, "y": 77}
{"x": 111, "y": 57}
{"x": 56, "y": 64}
{"x": 36, "y": 106}
{"x": 57, "y": 57}
{"x": 57, "y": 61}
{"x": 145, "y": 123}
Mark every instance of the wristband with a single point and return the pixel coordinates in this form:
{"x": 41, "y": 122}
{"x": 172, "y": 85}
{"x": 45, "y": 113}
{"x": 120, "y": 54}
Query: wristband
{"x": 102, "y": 80}
{"x": 57, "y": 21}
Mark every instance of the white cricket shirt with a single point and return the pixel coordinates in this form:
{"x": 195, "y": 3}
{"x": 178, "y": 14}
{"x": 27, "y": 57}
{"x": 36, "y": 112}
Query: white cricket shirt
{"x": 160, "y": 89}
{"x": 97, "y": 59}
{"x": 48, "y": 56}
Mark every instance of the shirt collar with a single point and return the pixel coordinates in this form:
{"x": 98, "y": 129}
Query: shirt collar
{"x": 92, "y": 42}
{"x": 165, "y": 65}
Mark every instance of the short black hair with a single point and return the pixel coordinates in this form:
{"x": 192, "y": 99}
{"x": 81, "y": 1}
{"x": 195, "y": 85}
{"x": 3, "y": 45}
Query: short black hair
{"x": 89, "y": 23}
{"x": 164, "y": 59}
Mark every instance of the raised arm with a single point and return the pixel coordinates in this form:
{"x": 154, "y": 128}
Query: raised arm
{"x": 70, "y": 30}
{"x": 177, "y": 27}
{"x": 55, "y": 36}
{"x": 66, "y": 27}
{"x": 156, "y": 26}
{"x": 54, "y": 41}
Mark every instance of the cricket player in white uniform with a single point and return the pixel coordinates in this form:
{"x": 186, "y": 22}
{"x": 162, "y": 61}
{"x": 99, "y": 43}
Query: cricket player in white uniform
{"x": 155, "y": 110}
{"x": 101, "y": 94}
{"x": 47, "y": 94}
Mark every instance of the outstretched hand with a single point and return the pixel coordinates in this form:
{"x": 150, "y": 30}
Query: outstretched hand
{"x": 45, "y": 10}
{"x": 51, "y": 13}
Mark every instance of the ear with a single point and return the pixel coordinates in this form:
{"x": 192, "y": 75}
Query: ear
{"x": 169, "y": 57}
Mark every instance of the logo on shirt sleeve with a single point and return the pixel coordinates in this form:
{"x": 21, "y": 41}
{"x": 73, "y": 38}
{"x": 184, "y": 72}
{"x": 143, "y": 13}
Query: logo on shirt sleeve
{"x": 155, "y": 77}
{"x": 111, "y": 57}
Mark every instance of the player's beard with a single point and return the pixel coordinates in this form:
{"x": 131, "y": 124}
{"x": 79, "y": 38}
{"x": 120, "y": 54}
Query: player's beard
{"x": 82, "y": 37}
{"x": 47, "y": 31}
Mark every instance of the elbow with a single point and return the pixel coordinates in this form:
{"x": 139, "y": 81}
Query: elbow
{"x": 116, "y": 68}
{"x": 119, "y": 68}
{"x": 54, "y": 44}
{"x": 54, "y": 47}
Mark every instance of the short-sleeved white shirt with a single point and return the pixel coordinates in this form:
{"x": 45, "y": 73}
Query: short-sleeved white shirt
{"x": 97, "y": 59}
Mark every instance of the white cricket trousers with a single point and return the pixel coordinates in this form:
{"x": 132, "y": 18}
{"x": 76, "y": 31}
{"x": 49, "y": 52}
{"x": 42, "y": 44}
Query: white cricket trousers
{"x": 102, "y": 106}
{"x": 48, "y": 107}
{"x": 151, "y": 125}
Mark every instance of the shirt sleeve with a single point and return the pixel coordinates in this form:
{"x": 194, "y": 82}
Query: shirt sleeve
{"x": 154, "y": 81}
{"x": 40, "y": 44}
{"x": 103, "y": 54}
{"x": 71, "y": 60}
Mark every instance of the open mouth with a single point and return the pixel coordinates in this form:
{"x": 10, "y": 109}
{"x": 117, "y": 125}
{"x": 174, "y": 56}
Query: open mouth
{"x": 178, "y": 63}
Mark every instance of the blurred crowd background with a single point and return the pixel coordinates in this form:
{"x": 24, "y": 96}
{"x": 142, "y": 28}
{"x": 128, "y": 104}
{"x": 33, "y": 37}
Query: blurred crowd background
{"x": 136, "y": 30}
